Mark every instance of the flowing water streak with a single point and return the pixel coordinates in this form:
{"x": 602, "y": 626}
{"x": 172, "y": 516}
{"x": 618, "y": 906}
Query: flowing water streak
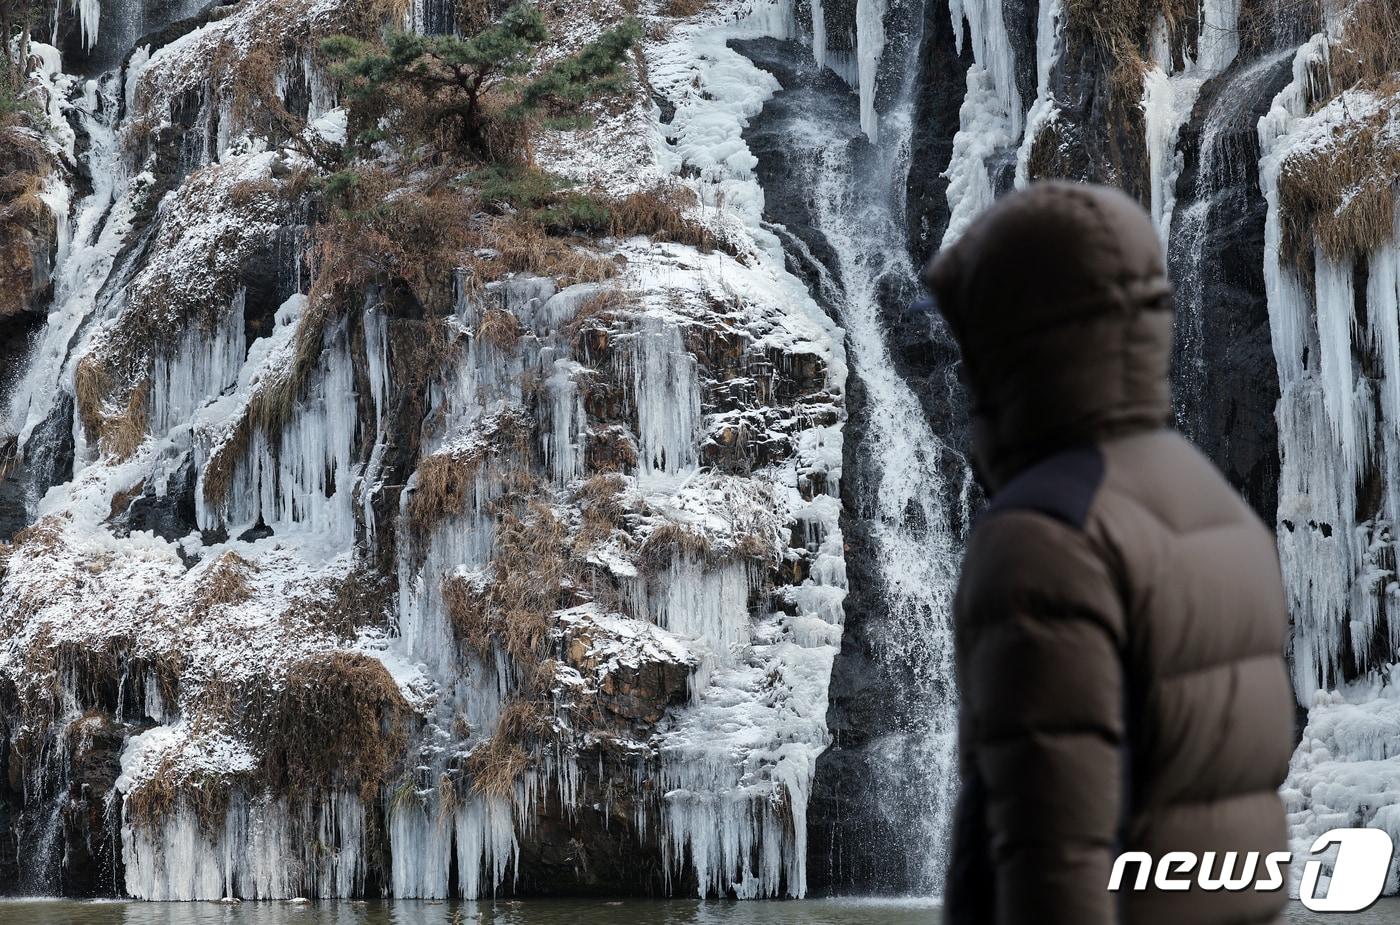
{"x": 85, "y": 263}
{"x": 1222, "y": 168}
{"x": 857, "y": 206}
{"x": 916, "y": 550}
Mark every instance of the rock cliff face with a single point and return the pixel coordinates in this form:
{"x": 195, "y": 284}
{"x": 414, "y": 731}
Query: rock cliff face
{"x": 414, "y": 549}
{"x": 379, "y": 520}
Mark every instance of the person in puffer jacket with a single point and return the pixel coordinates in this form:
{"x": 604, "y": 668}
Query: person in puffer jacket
{"x": 1120, "y": 621}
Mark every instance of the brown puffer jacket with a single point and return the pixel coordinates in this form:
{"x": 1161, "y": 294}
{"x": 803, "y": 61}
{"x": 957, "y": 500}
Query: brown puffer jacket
{"x": 1120, "y": 623}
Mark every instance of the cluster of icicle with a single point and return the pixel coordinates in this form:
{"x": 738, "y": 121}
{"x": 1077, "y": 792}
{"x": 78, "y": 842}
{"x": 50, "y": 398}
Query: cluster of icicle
{"x": 736, "y": 763}
{"x": 1339, "y": 415}
{"x": 1336, "y": 340}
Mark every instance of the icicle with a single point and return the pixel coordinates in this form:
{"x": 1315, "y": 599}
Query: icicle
{"x": 567, "y": 420}
{"x": 990, "y": 118}
{"x": 259, "y": 850}
{"x": 305, "y": 480}
{"x": 421, "y": 850}
{"x": 198, "y": 369}
{"x": 870, "y": 45}
{"x": 666, "y": 394}
{"x": 1049, "y": 37}
{"x": 89, "y": 16}
{"x": 486, "y": 845}
{"x": 1169, "y": 98}
{"x": 1328, "y": 549}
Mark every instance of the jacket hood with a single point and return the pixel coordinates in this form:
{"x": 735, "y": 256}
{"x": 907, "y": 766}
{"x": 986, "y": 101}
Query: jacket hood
{"x": 1058, "y": 297}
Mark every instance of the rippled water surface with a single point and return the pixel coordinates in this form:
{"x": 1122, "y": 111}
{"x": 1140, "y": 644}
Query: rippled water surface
{"x": 538, "y": 912}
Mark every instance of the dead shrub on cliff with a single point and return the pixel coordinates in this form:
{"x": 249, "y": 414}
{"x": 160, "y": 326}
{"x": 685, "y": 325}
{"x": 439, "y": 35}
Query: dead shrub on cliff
{"x": 500, "y": 329}
{"x": 670, "y": 542}
{"x": 205, "y": 794}
{"x": 344, "y": 605}
{"x": 1123, "y": 29}
{"x": 529, "y": 566}
{"x": 1367, "y": 53}
{"x": 117, "y": 425}
{"x": 1341, "y": 196}
{"x": 446, "y": 483}
{"x": 225, "y": 583}
{"x": 600, "y": 500}
{"x": 339, "y": 722}
{"x": 659, "y": 213}
{"x": 469, "y": 612}
{"x": 512, "y": 604}
{"x": 497, "y": 764}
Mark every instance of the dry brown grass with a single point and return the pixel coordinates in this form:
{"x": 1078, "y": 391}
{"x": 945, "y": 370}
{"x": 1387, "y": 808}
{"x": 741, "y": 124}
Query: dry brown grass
{"x": 340, "y": 722}
{"x": 497, "y": 764}
{"x": 9, "y": 454}
{"x": 44, "y": 536}
{"x": 671, "y": 541}
{"x": 1367, "y": 56}
{"x": 225, "y": 584}
{"x": 1341, "y": 196}
{"x": 469, "y": 612}
{"x": 446, "y": 486}
{"x": 118, "y": 433}
{"x": 1054, "y": 154}
{"x": 447, "y": 481}
{"x": 595, "y": 313}
{"x": 500, "y": 329}
{"x": 514, "y": 609}
{"x": 659, "y": 212}
{"x": 124, "y": 431}
{"x": 529, "y": 566}
{"x": 122, "y": 500}
{"x": 753, "y": 547}
{"x": 393, "y": 231}
{"x": 511, "y": 244}
{"x": 600, "y": 502}
{"x": 341, "y": 607}
{"x": 1123, "y": 28}
{"x": 204, "y": 793}
{"x": 684, "y": 9}
{"x": 611, "y": 448}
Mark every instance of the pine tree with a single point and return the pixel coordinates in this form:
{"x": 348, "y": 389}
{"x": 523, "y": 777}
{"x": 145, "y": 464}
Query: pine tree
{"x": 475, "y": 88}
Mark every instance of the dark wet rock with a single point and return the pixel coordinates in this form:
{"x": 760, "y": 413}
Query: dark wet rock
{"x": 49, "y": 460}
{"x": 143, "y": 22}
{"x": 595, "y": 848}
{"x": 1224, "y": 376}
{"x": 254, "y": 533}
{"x": 1099, "y": 134}
{"x": 853, "y": 844}
{"x": 91, "y": 823}
{"x": 170, "y": 514}
{"x": 939, "y": 88}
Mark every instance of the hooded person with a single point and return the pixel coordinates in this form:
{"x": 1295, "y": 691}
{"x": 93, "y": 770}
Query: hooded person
{"x": 1120, "y": 621}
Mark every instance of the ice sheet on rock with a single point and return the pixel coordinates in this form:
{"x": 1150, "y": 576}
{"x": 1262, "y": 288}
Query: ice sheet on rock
{"x": 1346, "y": 769}
{"x": 1049, "y": 42}
{"x": 666, "y": 394}
{"x": 1170, "y": 93}
{"x": 991, "y": 117}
